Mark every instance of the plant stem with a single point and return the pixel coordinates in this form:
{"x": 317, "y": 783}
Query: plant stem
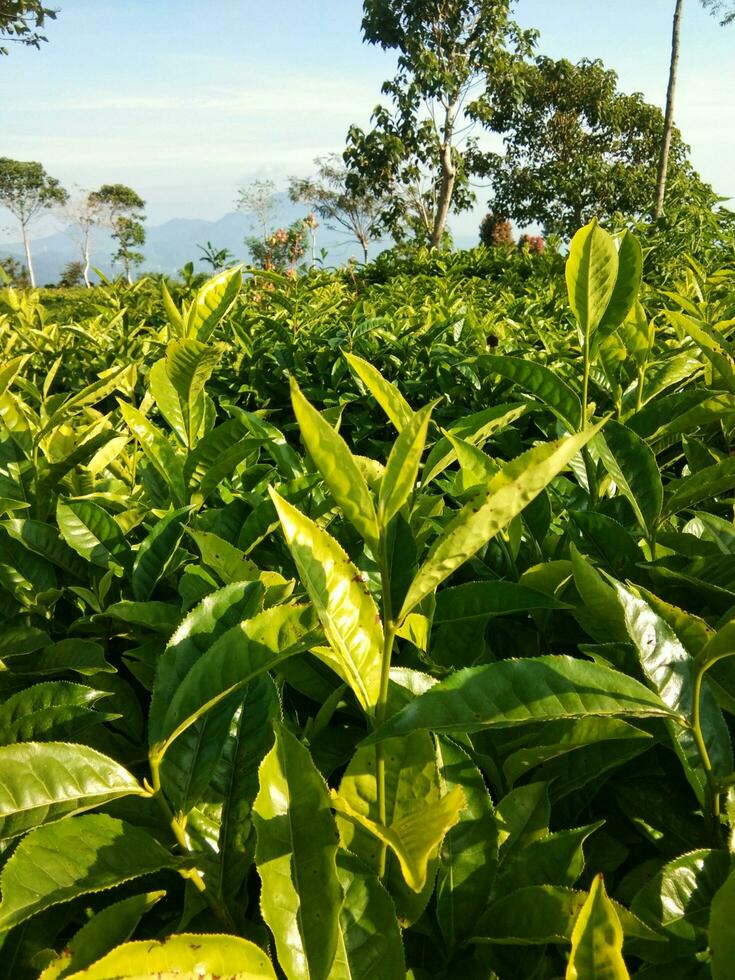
{"x": 389, "y": 634}
{"x": 713, "y": 790}
{"x": 193, "y": 875}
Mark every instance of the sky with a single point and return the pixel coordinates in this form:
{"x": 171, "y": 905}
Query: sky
{"x": 188, "y": 100}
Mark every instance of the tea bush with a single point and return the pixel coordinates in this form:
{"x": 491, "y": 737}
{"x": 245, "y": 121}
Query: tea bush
{"x": 371, "y": 623}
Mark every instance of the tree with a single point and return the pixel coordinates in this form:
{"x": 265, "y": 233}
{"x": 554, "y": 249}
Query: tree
{"x": 20, "y": 21}
{"x": 122, "y": 208}
{"x": 130, "y": 236}
{"x": 217, "y": 258}
{"x": 281, "y": 249}
{"x": 73, "y": 275}
{"x": 84, "y": 212}
{"x": 260, "y": 201}
{"x": 715, "y": 7}
{"x": 13, "y": 273}
{"x": 26, "y": 190}
{"x": 420, "y": 155}
{"x": 328, "y": 194}
{"x": 576, "y": 147}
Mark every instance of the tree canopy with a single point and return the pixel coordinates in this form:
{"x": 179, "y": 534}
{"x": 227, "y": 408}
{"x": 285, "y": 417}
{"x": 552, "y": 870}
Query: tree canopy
{"x": 22, "y": 20}
{"x": 576, "y": 147}
{"x": 420, "y": 153}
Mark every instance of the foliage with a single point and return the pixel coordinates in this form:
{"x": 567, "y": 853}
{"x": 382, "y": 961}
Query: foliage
{"x": 419, "y": 157}
{"x": 216, "y": 258}
{"x": 342, "y": 209}
{"x": 73, "y": 275}
{"x": 21, "y": 21}
{"x": 335, "y": 645}
{"x": 26, "y": 190}
{"x": 495, "y": 230}
{"x": 281, "y": 249}
{"x": 576, "y": 147}
{"x": 13, "y": 272}
{"x": 122, "y": 208}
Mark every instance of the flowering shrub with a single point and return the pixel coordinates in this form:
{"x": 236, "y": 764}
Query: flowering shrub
{"x": 535, "y": 244}
{"x": 282, "y": 249}
{"x": 495, "y": 230}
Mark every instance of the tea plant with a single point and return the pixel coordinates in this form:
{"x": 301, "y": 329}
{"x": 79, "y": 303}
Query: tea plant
{"x": 434, "y": 681}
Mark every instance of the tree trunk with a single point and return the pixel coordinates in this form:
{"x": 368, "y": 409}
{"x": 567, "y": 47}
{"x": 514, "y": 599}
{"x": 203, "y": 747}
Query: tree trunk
{"x": 29, "y": 262}
{"x": 449, "y": 175}
{"x": 85, "y": 251}
{"x": 663, "y": 165}
{"x": 364, "y": 243}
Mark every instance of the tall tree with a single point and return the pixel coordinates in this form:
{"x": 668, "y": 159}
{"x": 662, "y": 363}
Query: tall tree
{"x": 83, "y": 212}
{"x": 26, "y": 190}
{"x": 420, "y": 153}
{"x": 343, "y": 210}
{"x": 576, "y": 147}
{"x": 122, "y": 208}
{"x": 260, "y": 202}
{"x": 726, "y": 8}
{"x": 21, "y": 20}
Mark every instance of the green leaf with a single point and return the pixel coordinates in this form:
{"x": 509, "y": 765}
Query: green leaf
{"x": 296, "y": 859}
{"x": 158, "y": 450}
{"x": 235, "y": 781}
{"x": 543, "y": 914}
{"x": 343, "y": 602}
{"x": 44, "y": 540}
{"x": 105, "y": 930}
{"x": 189, "y": 365}
{"x": 491, "y": 509}
{"x": 156, "y": 553}
{"x": 40, "y": 782}
{"x": 481, "y": 600}
{"x": 721, "y": 933}
{"x": 473, "y": 429}
{"x": 370, "y": 945}
{"x": 676, "y": 902}
{"x": 244, "y": 652}
{"x": 384, "y": 392}
{"x": 591, "y": 274}
{"x": 53, "y": 711}
{"x": 403, "y": 464}
{"x": 167, "y": 399}
{"x": 175, "y": 319}
{"x": 415, "y": 837}
{"x": 529, "y": 916}
{"x": 214, "y": 615}
{"x": 540, "y": 381}
{"x": 563, "y": 737}
{"x": 670, "y": 671}
{"x": 597, "y": 939}
{"x": 627, "y": 283}
{"x": 518, "y": 692}
{"x": 212, "y": 302}
{"x": 522, "y": 816}
{"x": 687, "y": 492}
{"x": 224, "y": 559}
{"x": 92, "y": 533}
{"x": 633, "y": 467}
{"x": 554, "y": 859}
{"x": 185, "y": 955}
{"x": 337, "y": 466}
{"x": 469, "y": 853}
{"x": 411, "y": 782}
{"x": 74, "y": 857}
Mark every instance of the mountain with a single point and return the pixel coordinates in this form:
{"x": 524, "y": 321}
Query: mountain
{"x": 169, "y": 245}
{"x": 172, "y": 244}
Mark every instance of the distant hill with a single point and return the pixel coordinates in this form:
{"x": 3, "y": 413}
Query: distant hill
{"x": 172, "y": 244}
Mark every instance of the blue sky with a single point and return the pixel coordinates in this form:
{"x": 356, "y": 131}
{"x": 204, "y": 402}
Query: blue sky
{"x": 186, "y": 106}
